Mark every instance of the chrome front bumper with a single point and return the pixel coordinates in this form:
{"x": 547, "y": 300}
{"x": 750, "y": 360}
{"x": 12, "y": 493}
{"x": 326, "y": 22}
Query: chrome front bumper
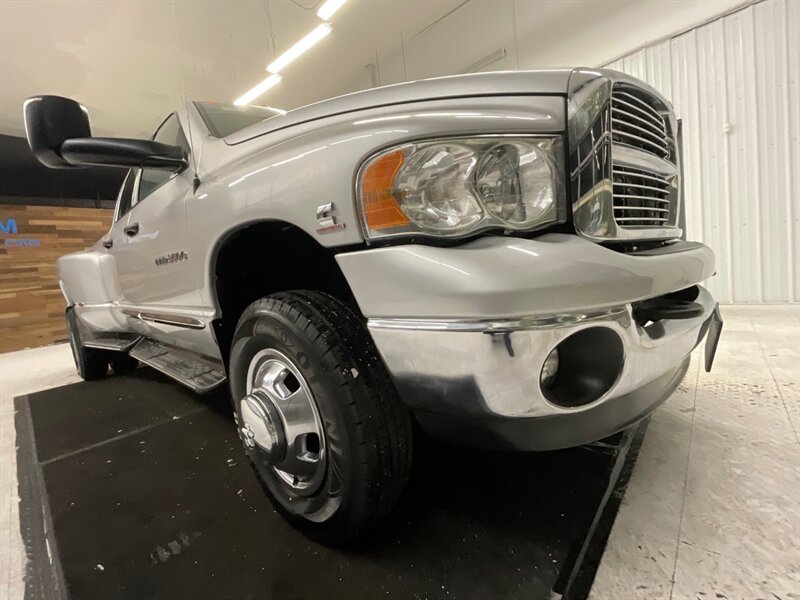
{"x": 477, "y": 380}
{"x": 490, "y": 370}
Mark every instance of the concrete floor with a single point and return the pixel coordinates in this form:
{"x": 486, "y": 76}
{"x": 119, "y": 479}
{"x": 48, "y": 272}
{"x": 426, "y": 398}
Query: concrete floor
{"x": 21, "y": 372}
{"x": 712, "y": 509}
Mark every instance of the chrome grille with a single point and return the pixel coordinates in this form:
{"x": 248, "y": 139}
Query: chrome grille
{"x": 624, "y": 160}
{"x": 636, "y": 122}
{"x": 640, "y": 198}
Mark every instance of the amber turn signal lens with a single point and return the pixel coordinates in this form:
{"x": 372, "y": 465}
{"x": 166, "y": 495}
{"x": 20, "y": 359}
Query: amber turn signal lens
{"x": 381, "y": 210}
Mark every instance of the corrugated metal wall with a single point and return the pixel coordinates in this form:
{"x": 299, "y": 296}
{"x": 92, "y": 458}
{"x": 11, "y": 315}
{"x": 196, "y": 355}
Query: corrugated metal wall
{"x": 735, "y": 83}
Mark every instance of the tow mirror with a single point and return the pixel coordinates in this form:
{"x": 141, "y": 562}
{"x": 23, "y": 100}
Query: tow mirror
{"x": 60, "y": 137}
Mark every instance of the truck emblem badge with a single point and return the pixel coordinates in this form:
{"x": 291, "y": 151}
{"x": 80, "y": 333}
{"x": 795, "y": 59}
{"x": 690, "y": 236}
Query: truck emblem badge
{"x": 327, "y": 222}
{"x": 168, "y": 259}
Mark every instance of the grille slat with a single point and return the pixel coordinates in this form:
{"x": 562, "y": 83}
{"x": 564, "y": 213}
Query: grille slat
{"x": 640, "y": 114}
{"x": 637, "y": 141}
{"x": 648, "y": 122}
{"x": 644, "y": 105}
{"x": 640, "y": 186}
{"x": 650, "y": 208}
{"x": 641, "y": 198}
{"x": 659, "y": 140}
{"x": 642, "y": 175}
{"x": 635, "y": 197}
{"x": 636, "y": 122}
{"x": 641, "y": 220}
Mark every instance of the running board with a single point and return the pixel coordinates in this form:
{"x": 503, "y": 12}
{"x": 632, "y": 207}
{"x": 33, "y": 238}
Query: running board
{"x": 117, "y": 343}
{"x": 192, "y": 370}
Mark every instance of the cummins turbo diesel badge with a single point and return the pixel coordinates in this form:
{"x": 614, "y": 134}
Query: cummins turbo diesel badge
{"x": 172, "y": 258}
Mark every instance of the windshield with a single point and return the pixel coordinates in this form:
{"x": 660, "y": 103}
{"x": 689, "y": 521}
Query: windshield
{"x": 224, "y": 119}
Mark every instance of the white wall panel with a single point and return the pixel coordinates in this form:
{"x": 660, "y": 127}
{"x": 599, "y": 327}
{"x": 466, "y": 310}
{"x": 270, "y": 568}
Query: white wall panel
{"x": 561, "y": 33}
{"x": 734, "y": 82}
{"x": 453, "y": 44}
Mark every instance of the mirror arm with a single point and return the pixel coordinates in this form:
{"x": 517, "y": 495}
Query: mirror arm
{"x": 120, "y": 152}
{"x": 157, "y": 161}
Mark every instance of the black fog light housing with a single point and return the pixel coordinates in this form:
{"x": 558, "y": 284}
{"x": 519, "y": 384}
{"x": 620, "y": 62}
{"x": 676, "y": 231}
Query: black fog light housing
{"x": 582, "y": 367}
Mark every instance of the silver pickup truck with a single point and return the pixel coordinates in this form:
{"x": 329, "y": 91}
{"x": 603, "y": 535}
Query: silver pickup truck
{"x": 496, "y": 257}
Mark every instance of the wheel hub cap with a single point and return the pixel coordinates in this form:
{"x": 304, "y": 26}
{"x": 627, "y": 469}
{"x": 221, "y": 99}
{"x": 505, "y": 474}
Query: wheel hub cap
{"x": 262, "y": 425}
{"x": 281, "y": 423}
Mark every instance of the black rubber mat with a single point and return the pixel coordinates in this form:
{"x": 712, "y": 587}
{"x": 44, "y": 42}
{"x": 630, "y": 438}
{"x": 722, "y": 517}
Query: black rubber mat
{"x": 147, "y": 494}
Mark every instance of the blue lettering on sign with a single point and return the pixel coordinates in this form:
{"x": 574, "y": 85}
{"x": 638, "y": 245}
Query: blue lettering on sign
{"x": 13, "y": 243}
{"x": 9, "y": 226}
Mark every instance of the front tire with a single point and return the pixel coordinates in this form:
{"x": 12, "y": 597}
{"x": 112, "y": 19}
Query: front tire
{"x": 320, "y": 418}
{"x": 90, "y": 363}
{"x": 123, "y": 364}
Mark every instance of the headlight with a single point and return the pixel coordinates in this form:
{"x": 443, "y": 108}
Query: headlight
{"x": 454, "y": 187}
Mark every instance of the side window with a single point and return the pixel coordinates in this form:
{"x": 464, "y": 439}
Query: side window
{"x": 170, "y": 132}
{"x": 125, "y": 195}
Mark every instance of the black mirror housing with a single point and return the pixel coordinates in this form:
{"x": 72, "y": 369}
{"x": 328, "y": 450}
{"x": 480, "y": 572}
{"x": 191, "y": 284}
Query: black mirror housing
{"x": 60, "y": 137}
{"x": 49, "y": 122}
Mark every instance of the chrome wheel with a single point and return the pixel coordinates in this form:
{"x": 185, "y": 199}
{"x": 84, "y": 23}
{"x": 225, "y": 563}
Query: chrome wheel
{"x": 281, "y": 423}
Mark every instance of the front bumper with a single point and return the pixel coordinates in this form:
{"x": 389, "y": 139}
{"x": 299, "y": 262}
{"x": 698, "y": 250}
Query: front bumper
{"x": 477, "y": 380}
{"x": 559, "y": 430}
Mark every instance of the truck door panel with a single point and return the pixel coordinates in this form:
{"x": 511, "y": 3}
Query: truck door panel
{"x": 152, "y": 254}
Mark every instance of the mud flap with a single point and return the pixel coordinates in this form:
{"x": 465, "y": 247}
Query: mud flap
{"x": 712, "y": 337}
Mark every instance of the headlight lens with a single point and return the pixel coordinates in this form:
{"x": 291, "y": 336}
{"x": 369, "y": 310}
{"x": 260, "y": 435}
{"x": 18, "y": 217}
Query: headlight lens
{"x": 516, "y": 183}
{"x": 458, "y": 186}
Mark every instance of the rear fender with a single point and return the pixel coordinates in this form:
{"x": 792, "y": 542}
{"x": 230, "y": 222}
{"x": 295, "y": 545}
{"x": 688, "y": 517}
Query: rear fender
{"x": 88, "y": 278}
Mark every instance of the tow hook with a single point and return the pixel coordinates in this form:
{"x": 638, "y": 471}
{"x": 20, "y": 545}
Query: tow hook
{"x": 677, "y": 305}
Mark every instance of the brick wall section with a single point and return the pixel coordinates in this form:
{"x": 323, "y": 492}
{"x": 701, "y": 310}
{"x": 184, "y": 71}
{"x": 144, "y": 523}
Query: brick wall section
{"x": 31, "y": 304}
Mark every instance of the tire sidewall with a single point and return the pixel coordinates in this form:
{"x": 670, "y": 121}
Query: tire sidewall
{"x": 270, "y": 329}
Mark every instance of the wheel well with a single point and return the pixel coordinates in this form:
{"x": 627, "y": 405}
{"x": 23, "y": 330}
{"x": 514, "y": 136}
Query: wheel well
{"x": 265, "y": 258}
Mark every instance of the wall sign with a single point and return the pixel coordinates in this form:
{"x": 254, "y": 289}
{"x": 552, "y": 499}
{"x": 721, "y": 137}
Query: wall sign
{"x": 31, "y": 303}
{"x": 9, "y": 227}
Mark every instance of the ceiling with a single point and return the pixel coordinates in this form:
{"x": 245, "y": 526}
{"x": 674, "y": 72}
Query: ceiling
{"x": 131, "y": 62}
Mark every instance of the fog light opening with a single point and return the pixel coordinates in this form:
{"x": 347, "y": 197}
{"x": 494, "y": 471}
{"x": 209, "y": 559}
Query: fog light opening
{"x": 549, "y": 370}
{"x": 583, "y": 367}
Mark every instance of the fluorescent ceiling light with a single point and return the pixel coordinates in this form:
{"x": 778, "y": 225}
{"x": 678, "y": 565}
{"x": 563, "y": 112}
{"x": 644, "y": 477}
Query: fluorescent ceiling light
{"x": 262, "y": 87}
{"x": 277, "y": 65}
{"x": 326, "y": 11}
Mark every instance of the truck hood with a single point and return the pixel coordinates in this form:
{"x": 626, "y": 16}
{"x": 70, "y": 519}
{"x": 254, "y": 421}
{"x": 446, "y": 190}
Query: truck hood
{"x": 544, "y": 82}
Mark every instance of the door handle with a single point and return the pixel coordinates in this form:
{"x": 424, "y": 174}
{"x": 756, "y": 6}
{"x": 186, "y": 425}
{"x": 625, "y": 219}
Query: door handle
{"x": 131, "y": 230}
{"x": 108, "y": 243}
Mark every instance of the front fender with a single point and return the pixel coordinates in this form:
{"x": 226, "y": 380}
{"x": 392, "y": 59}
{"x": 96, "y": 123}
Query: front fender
{"x": 288, "y": 174}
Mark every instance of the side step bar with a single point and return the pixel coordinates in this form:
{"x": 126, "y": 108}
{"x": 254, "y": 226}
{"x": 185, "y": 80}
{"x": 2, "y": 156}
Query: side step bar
{"x": 116, "y": 343}
{"x": 193, "y": 370}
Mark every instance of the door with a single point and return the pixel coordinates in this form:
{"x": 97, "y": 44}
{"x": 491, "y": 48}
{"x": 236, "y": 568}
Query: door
{"x": 151, "y": 257}
{"x": 107, "y": 316}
